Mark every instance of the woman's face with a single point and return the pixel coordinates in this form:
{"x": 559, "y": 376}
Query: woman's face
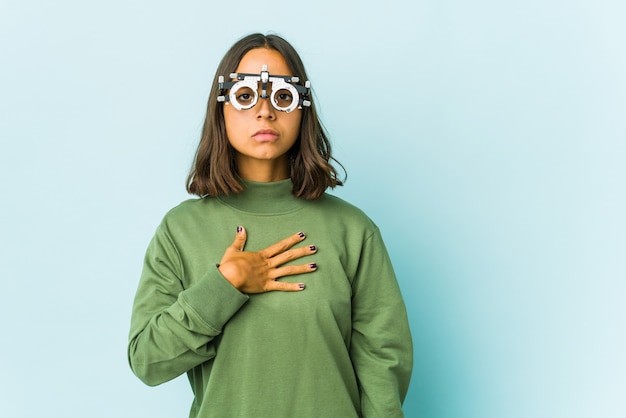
{"x": 262, "y": 135}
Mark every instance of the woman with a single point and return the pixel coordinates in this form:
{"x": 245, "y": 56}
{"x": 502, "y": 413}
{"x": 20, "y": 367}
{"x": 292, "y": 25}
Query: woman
{"x": 300, "y": 315}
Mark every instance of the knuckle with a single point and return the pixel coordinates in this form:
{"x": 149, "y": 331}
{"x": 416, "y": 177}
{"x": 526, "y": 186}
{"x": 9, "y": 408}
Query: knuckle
{"x": 288, "y": 271}
{"x": 274, "y": 285}
{"x": 289, "y": 255}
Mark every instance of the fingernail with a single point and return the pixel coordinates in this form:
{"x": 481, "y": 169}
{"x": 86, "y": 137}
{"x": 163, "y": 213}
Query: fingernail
{"x": 301, "y": 285}
{"x": 301, "y": 234}
{"x": 239, "y": 229}
{"x": 313, "y": 265}
{"x": 312, "y": 248}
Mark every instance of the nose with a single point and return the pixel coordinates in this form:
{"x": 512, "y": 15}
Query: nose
{"x": 265, "y": 109}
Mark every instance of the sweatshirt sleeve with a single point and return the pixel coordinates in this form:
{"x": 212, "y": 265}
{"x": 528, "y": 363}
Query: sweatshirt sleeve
{"x": 381, "y": 347}
{"x": 173, "y": 328}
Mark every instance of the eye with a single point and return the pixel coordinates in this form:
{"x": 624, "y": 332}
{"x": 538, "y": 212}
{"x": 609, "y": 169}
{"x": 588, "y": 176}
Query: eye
{"x": 245, "y": 96}
{"x": 283, "y": 98}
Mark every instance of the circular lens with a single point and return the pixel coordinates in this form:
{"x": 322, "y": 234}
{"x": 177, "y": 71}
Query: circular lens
{"x": 243, "y": 96}
{"x": 285, "y": 98}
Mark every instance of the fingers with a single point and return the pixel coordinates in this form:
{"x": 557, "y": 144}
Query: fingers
{"x": 283, "y": 245}
{"x": 289, "y": 255}
{"x": 293, "y": 270}
{"x": 288, "y": 271}
{"x": 285, "y": 286}
{"x": 240, "y": 239}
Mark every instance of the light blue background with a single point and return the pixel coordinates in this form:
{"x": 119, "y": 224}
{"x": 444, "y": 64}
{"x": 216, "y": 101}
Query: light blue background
{"x": 485, "y": 138}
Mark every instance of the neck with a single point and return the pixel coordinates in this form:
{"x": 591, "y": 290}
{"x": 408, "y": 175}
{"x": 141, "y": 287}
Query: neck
{"x": 264, "y": 171}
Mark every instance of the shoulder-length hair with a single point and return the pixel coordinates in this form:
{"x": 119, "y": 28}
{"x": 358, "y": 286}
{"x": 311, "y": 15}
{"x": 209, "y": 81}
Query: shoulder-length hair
{"x": 214, "y": 170}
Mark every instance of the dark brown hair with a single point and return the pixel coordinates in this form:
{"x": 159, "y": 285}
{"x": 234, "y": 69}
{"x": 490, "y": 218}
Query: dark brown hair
{"x": 214, "y": 170}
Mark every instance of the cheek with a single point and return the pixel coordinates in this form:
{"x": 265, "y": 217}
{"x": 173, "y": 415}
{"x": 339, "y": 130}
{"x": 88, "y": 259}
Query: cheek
{"x": 294, "y": 124}
{"x": 231, "y": 121}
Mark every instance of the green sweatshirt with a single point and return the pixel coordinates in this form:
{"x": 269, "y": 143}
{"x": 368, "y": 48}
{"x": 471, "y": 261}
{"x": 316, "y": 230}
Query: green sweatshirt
{"x": 340, "y": 348}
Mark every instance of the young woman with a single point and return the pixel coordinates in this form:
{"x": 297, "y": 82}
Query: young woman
{"x": 299, "y": 315}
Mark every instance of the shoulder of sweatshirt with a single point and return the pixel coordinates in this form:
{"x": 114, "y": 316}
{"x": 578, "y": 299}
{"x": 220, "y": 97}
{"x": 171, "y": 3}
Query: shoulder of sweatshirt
{"x": 185, "y": 210}
{"x": 340, "y": 207}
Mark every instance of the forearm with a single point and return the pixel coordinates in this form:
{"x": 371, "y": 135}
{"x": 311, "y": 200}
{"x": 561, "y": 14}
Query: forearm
{"x": 383, "y": 369}
{"x": 381, "y": 345}
{"x": 170, "y": 335}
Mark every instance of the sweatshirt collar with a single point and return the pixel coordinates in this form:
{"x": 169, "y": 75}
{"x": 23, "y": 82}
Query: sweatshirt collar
{"x": 264, "y": 198}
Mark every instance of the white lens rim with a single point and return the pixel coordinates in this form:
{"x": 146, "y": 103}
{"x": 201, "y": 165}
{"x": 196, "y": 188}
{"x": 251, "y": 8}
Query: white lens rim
{"x": 279, "y": 84}
{"x": 232, "y": 95}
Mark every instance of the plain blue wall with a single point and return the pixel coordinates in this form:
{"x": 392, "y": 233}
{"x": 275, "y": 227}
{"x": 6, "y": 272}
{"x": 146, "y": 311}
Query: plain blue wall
{"x": 486, "y": 138}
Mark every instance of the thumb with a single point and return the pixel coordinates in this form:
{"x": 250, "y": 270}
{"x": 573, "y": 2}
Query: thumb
{"x": 240, "y": 239}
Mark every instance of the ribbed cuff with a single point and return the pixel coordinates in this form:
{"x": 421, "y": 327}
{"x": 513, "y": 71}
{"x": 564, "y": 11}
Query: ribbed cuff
{"x": 214, "y": 299}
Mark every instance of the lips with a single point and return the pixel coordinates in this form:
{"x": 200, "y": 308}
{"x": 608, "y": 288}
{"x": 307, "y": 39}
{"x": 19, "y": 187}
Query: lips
{"x": 265, "y": 135}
